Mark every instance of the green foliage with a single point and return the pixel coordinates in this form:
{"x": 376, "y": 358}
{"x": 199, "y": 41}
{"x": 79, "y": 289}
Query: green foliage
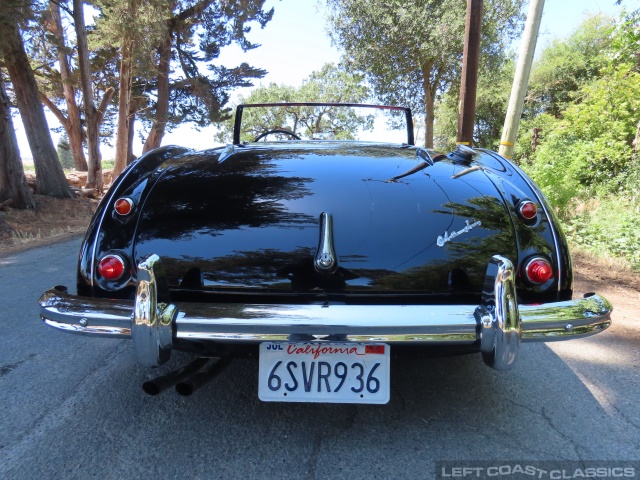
{"x": 589, "y": 150}
{"x": 195, "y": 31}
{"x": 108, "y": 164}
{"x": 566, "y": 64}
{"x": 626, "y": 40}
{"x": 144, "y": 21}
{"x": 611, "y": 227}
{"x": 494, "y": 88}
{"x": 332, "y": 84}
{"x": 411, "y": 52}
{"x": 531, "y": 133}
{"x": 446, "y": 124}
{"x": 587, "y": 120}
{"x": 64, "y": 153}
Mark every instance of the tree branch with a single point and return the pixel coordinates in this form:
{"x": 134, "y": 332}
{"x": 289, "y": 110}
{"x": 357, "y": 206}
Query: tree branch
{"x": 190, "y": 12}
{"x": 62, "y": 6}
{"x": 55, "y": 110}
{"x": 106, "y": 98}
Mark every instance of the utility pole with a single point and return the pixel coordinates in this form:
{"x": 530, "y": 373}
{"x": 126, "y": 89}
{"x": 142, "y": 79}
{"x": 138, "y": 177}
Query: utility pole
{"x": 521, "y": 79}
{"x": 469, "y": 81}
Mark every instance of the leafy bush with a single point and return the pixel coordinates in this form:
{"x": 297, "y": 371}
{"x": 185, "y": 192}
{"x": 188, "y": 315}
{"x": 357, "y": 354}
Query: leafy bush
{"x": 589, "y": 150}
{"x": 584, "y": 104}
{"x": 610, "y": 227}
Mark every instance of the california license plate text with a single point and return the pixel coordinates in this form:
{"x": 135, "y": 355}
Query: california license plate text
{"x": 324, "y": 372}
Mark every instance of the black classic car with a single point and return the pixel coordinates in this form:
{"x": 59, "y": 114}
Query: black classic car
{"x": 322, "y": 256}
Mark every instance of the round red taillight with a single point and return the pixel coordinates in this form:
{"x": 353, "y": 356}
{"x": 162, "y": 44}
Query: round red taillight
{"x": 111, "y": 267}
{"x": 538, "y": 271}
{"x": 528, "y": 210}
{"x": 123, "y": 206}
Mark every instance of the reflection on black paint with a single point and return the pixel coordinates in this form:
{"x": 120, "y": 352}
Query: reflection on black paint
{"x": 463, "y": 268}
{"x": 209, "y": 198}
{"x": 251, "y": 222}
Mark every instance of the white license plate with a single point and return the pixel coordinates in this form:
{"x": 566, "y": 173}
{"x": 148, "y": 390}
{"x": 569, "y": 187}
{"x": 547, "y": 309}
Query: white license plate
{"x": 324, "y": 372}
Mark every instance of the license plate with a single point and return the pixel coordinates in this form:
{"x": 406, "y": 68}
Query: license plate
{"x": 324, "y": 372}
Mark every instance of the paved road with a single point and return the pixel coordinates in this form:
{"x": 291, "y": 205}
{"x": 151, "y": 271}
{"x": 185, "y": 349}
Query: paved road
{"x": 72, "y": 407}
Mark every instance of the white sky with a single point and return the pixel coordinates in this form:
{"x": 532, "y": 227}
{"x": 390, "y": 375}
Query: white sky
{"x": 295, "y": 43}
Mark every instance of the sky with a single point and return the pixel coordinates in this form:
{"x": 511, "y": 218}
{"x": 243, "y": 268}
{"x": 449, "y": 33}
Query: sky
{"x": 295, "y": 43}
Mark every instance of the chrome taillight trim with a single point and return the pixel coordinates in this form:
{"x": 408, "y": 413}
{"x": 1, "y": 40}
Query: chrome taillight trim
{"x": 530, "y": 261}
{"x": 120, "y": 258}
{"x": 131, "y": 206}
{"x": 521, "y": 206}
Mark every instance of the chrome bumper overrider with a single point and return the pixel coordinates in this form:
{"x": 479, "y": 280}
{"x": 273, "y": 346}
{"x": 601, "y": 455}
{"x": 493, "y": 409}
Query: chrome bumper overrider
{"x": 497, "y": 325}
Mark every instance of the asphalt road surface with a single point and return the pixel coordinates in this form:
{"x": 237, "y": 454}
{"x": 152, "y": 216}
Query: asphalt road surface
{"x": 73, "y": 407}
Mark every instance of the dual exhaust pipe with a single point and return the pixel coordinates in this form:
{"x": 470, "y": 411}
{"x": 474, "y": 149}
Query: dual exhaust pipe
{"x": 189, "y": 378}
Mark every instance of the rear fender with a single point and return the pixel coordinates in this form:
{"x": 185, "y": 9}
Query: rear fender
{"x": 543, "y": 236}
{"x": 133, "y": 182}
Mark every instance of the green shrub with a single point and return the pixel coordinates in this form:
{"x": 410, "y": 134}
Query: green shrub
{"x": 588, "y": 151}
{"x": 610, "y": 227}
{"x": 64, "y": 153}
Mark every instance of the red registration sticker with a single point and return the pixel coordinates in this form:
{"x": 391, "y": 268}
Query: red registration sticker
{"x": 379, "y": 349}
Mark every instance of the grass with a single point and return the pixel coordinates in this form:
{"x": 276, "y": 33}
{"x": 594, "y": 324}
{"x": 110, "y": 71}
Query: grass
{"x": 20, "y": 237}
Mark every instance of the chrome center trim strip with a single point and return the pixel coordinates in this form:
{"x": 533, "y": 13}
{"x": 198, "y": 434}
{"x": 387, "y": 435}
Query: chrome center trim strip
{"x": 326, "y": 260}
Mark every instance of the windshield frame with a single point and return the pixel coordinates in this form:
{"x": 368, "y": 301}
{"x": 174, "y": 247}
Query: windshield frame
{"x": 240, "y": 108}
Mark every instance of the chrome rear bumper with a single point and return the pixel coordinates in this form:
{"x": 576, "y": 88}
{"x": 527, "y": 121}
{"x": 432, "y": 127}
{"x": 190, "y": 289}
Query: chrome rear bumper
{"x": 497, "y": 326}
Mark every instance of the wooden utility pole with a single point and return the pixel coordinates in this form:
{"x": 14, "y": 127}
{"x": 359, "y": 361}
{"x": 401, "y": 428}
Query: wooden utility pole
{"x": 521, "y": 78}
{"x": 469, "y": 82}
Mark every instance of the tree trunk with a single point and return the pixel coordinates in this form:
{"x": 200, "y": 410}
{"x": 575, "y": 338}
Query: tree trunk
{"x": 73, "y": 126}
{"x": 50, "y": 178}
{"x": 131, "y": 123}
{"x": 535, "y": 136}
{"x": 13, "y": 184}
{"x": 429, "y": 101}
{"x": 124, "y": 103}
{"x": 162, "y": 106}
{"x": 94, "y": 174}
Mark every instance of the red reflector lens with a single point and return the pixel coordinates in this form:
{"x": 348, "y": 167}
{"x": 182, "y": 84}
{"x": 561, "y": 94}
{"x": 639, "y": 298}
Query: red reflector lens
{"x": 123, "y": 206}
{"x": 539, "y": 271}
{"x": 528, "y": 210}
{"x": 111, "y": 267}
